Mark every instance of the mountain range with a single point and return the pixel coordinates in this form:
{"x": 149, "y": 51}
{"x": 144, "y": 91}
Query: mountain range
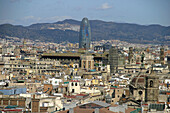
{"x": 68, "y": 30}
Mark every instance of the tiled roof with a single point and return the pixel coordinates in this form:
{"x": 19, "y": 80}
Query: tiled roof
{"x": 74, "y": 81}
{"x": 80, "y": 110}
{"x": 128, "y": 110}
{"x": 101, "y": 103}
{"x": 102, "y": 110}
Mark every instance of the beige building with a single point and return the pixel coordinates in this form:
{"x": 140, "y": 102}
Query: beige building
{"x": 116, "y": 94}
{"x": 87, "y": 62}
{"x": 45, "y": 103}
{"x": 32, "y": 66}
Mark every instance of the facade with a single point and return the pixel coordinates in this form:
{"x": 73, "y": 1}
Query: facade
{"x": 67, "y": 58}
{"x": 85, "y": 34}
{"x": 116, "y": 94}
{"x": 45, "y": 104}
{"x": 152, "y": 88}
{"x": 74, "y": 86}
{"x": 99, "y": 48}
{"x": 19, "y": 101}
{"x": 32, "y": 66}
{"x": 87, "y": 62}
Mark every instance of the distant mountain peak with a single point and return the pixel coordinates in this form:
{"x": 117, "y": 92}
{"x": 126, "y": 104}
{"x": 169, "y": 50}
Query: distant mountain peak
{"x": 70, "y": 21}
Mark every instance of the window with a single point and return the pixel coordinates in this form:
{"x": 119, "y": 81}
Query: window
{"x": 72, "y": 84}
{"x": 140, "y": 92}
{"x": 72, "y": 90}
{"x": 76, "y": 84}
{"x": 113, "y": 94}
{"x": 84, "y": 64}
{"x": 151, "y": 83}
{"x": 89, "y": 64}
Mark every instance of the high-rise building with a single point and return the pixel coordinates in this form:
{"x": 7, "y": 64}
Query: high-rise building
{"x": 113, "y": 59}
{"x": 85, "y": 34}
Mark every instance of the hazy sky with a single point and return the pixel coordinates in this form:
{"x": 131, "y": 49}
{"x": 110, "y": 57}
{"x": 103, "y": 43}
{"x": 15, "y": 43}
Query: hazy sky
{"x": 26, "y": 12}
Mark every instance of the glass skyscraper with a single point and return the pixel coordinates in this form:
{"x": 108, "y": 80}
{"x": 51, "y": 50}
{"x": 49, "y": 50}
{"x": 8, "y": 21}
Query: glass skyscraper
{"x": 85, "y": 34}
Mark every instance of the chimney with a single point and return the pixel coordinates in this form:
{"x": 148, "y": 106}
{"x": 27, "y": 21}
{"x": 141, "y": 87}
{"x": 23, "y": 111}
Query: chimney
{"x": 34, "y": 96}
{"x": 96, "y": 110}
{"x": 71, "y": 110}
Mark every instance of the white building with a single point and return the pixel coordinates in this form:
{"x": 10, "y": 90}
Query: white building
{"x": 74, "y": 86}
{"x": 54, "y": 81}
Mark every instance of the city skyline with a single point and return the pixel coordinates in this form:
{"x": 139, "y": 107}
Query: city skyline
{"x": 95, "y": 56}
{"x": 60, "y": 77}
{"x": 27, "y": 12}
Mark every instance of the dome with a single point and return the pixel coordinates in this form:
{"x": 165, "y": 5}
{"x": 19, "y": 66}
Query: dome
{"x": 138, "y": 80}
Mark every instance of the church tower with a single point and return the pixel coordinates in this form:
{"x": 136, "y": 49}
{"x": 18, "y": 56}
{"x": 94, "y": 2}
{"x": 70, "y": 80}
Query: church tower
{"x": 162, "y": 56}
{"x": 144, "y": 87}
{"x": 152, "y": 88}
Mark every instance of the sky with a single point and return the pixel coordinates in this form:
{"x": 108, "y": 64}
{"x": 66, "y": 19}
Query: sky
{"x": 27, "y": 12}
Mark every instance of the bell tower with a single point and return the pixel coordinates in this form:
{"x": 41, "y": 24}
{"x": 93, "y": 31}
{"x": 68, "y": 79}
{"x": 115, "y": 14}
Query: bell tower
{"x": 130, "y": 55}
{"x": 162, "y": 56}
{"x": 152, "y": 87}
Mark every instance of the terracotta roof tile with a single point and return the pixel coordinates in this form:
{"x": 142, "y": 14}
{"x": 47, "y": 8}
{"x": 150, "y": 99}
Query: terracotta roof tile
{"x": 128, "y": 110}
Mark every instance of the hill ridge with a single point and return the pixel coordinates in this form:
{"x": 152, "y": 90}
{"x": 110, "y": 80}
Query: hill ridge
{"x": 67, "y": 30}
